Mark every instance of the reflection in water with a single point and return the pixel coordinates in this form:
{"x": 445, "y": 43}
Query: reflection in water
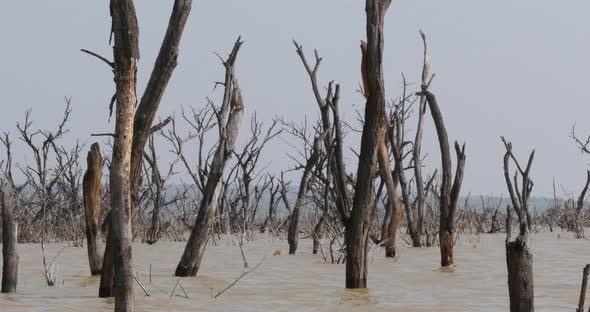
{"x": 304, "y": 282}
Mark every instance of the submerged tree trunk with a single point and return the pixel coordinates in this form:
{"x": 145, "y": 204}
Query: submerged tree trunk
{"x": 228, "y": 120}
{"x": 293, "y": 232}
{"x": 519, "y": 261}
{"x": 126, "y": 56}
{"x": 357, "y": 227}
{"x": 91, "y": 190}
{"x": 106, "y": 287}
{"x": 164, "y": 66}
{"x": 392, "y": 229}
{"x": 9, "y": 243}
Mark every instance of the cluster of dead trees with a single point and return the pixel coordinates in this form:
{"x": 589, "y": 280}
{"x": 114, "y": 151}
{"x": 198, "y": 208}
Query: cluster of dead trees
{"x": 214, "y": 186}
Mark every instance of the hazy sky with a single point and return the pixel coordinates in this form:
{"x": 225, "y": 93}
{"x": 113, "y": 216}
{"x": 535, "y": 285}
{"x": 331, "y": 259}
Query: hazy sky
{"x": 513, "y": 68}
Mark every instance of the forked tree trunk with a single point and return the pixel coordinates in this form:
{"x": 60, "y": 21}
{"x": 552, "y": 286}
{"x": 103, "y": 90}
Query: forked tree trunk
{"x": 229, "y": 119}
{"x": 449, "y": 189}
{"x": 126, "y": 56}
{"x": 164, "y": 66}
{"x": 519, "y": 259}
{"x": 9, "y": 243}
{"x": 357, "y": 227}
{"x": 91, "y": 190}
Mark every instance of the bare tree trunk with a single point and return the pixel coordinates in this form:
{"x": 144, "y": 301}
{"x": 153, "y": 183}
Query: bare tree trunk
{"x": 357, "y": 229}
{"x": 9, "y": 243}
{"x": 146, "y": 110}
{"x": 519, "y": 259}
{"x": 229, "y": 119}
{"x": 293, "y": 232}
{"x": 520, "y": 276}
{"x": 392, "y": 229}
{"x": 585, "y": 273}
{"x": 106, "y": 288}
{"x": 91, "y": 190}
{"x": 126, "y": 56}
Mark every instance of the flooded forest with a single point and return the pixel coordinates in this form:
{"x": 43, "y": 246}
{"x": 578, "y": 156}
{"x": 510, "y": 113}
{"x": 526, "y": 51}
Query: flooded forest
{"x": 181, "y": 213}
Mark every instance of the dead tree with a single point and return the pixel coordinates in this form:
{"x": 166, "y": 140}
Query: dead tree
{"x": 449, "y": 188}
{"x": 582, "y": 299}
{"x": 8, "y": 202}
{"x": 577, "y": 223}
{"x": 273, "y": 190}
{"x": 91, "y": 190}
{"x": 357, "y": 227}
{"x": 389, "y": 178}
{"x": 519, "y": 259}
{"x": 126, "y": 57}
{"x": 157, "y": 189}
{"x": 356, "y": 214}
{"x": 143, "y": 116}
{"x": 247, "y": 159}
{"x": 229, "y": 118}
{"x": 311, "y": 161}
{"x": 9, "y": 241}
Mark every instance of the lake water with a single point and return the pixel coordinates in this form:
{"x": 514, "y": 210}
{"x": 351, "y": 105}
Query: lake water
{"x": 414, "y": 282}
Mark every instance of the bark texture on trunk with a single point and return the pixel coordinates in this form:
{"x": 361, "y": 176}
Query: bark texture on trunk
{"x": 520, "y": 276}
{"x": 357, "y": 228}
{"x": 166, "y": 61}
{"x": 229, "y": 119}
{"x": 126, "y": 56}
{"x": 91, "y": 192}
{"x": 9, "y": 243}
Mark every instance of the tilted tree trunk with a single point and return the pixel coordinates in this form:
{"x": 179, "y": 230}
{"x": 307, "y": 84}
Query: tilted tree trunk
{"x": 293, "y": 232}
{"x": 166, "y": 61}
{"x": 393, "y": 209}
{"x": 449, "y": 192}
{"x": 357, "y": 227}
{"x": 91, "y": 190}
{"x": 229, "y": 119}
{"x": 106, "y": 287}
{"x": 392, "y": 230}
{"x": 519, "y": 259}
{"x": 9, "y": 243}
{"x": 126, "y": 56}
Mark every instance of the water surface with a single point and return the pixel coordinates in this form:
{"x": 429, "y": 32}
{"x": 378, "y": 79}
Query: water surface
{"x": 305, "y": 282}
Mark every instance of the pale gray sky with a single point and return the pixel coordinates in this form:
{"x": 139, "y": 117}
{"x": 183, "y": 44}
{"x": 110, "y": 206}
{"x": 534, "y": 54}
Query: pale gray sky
{"x": 513, "y": 68}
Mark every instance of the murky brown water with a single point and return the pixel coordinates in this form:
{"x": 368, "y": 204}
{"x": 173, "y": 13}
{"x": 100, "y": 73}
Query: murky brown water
{"x": 305, "y": 283}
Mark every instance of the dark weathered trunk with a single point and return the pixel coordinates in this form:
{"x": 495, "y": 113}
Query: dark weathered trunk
{"x": 228, "y": 120}
{"x": 9, "y": 243}
{"x": 126, "y": 56}
{"x": 585, "y": 273}
{"x": 91, "y": 190}
{"x": 106, "y": 288}
{"x": 519, "y": 261}
{"x": 357, "y": 227}
{"x": 449, "y": 190}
